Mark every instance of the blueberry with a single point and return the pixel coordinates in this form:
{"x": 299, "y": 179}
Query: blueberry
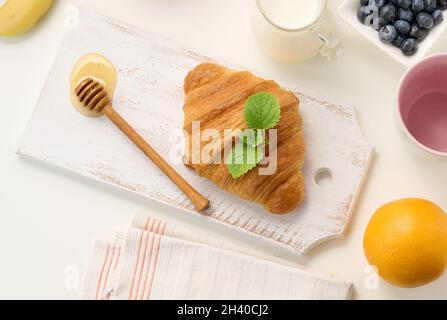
{"x": 417, "y": 6}
{"x": 381, "y": 23}
{"x": 364, "y": 2}
{"x": 437, "y": 17}
{"x": 387, "y": 34}
{"x": 409, "y": 47}
{"x": 378, "y": 3}
{"x": 430, "y": 5}
{"x": 388, "y": 12}
{"x": 418, "y": 33}
{"x": 377, "y": 24}
{"x": 404, "y": 4}
{"x": 442, "y": 4}
{"x": 405, "y": 14}
{"x": 425, "y": 20}
{"x": 362, "y": 13}
{"x": 399, "y": 41}
{"x": 368, "y": 15}
{"x": 402, "y": 26}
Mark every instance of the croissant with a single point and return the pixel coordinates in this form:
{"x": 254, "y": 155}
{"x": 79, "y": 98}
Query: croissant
{"x": 215, "y": 98}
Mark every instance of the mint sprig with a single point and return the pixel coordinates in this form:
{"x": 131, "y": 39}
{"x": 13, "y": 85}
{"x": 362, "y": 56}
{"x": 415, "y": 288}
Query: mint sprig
{"x": 243, "y": 159}
{"x": 253, "y": 137}
{"x": 262, "y": 112}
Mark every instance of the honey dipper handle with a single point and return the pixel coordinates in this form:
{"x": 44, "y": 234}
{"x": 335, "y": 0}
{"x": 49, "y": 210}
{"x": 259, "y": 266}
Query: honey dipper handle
{"x": 200, "y": 202}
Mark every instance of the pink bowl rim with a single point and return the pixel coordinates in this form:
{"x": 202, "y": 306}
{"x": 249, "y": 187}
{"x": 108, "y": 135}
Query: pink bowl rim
{"x": 399, "y": 114}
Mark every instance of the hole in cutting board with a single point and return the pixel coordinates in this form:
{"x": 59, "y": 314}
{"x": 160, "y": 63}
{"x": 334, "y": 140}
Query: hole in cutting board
{"x": 323, "y": 178}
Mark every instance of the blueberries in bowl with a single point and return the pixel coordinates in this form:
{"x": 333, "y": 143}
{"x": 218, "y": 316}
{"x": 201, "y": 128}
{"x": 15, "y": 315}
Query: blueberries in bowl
{"x": 402, "y": 23}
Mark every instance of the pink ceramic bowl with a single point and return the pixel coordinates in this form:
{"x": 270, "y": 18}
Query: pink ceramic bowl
{"x": 421, "y": 111}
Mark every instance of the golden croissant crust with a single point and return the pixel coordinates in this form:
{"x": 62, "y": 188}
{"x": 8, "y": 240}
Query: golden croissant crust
{"x": 216, "y": 97}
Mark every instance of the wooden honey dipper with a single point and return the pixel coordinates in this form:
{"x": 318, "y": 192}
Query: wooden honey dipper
{"x": 93, "y": 96}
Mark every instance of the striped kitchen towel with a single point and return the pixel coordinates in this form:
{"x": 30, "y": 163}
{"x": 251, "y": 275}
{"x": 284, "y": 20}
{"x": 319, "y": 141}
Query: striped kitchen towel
{"x": 157, "y": 260}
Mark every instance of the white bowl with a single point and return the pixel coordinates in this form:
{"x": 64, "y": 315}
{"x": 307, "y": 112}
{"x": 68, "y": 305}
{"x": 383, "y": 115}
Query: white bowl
{"x": 348, "y": 12}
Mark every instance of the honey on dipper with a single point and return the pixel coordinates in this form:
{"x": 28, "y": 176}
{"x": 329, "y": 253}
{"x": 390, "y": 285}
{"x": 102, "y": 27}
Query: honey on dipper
{"x": 98, "y": 68}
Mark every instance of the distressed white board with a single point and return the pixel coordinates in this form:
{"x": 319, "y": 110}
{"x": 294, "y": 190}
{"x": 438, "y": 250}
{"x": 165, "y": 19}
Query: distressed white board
{"x": 150, "y": 96}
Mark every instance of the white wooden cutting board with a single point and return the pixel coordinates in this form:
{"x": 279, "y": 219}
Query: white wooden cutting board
{"x": 150, "y": 96}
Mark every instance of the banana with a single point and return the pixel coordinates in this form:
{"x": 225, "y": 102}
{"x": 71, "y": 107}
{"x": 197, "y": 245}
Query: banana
{"x": 19, "y": 16}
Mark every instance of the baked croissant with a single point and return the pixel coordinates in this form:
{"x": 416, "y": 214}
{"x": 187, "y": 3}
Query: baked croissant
{"x": 216, "y": 97}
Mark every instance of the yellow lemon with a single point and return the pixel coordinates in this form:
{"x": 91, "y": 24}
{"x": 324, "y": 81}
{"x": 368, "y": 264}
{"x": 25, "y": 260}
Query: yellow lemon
{"x": 406, "y": 240}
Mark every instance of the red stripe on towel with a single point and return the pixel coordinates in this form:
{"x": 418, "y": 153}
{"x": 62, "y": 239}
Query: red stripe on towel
{"x": 150, "y": 259}
{"x": 144, "y": 260}
{"x": 106, "y": 280}
{"x": 138, "y": 260}
{"x": 101, "y": 273}
{"x": 154, "y": 268}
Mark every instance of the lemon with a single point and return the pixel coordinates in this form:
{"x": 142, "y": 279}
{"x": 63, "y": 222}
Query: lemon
{"x": 406, "y": 240}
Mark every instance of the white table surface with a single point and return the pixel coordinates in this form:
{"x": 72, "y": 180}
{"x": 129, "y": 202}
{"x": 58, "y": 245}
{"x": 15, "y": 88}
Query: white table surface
{"x": 50, "y": 219}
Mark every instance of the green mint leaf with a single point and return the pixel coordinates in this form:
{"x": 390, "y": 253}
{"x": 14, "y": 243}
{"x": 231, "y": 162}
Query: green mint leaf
{"x": 243, "y": 158}
{"x": 262, "y": 111}
{"x": 253, "y": 137}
